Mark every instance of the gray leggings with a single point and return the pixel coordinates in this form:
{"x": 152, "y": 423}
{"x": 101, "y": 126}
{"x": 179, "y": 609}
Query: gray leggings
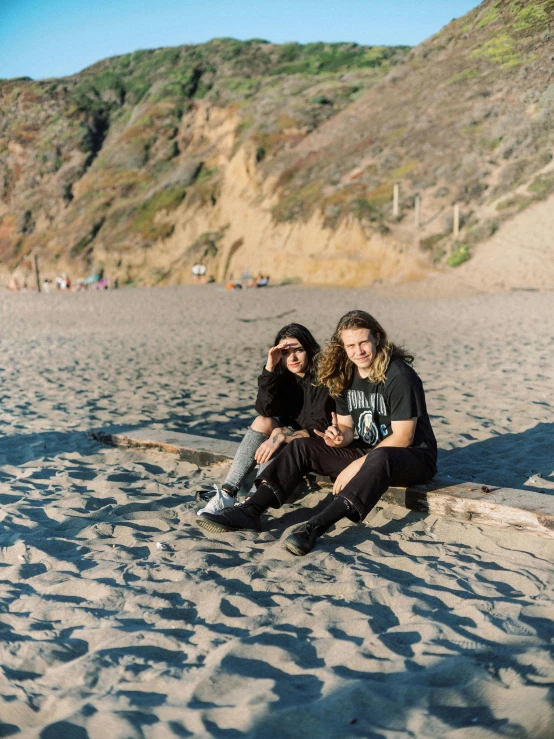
{"x": 244, "y": 461}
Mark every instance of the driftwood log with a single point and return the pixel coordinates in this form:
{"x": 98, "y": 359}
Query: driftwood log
{"x": 523, "y": 510}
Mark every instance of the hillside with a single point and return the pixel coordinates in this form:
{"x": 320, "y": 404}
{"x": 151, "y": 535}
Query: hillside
{"x": 467, "y": 119}
{"x": 250, "y": 155}
{"x": 96, "y": 168}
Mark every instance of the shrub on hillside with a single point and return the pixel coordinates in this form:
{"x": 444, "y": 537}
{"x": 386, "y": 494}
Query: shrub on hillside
{"x": 460, "y": 254}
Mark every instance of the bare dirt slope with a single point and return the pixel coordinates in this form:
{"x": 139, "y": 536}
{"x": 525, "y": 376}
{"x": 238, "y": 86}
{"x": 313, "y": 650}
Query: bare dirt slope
{"x": 520, "y": 255}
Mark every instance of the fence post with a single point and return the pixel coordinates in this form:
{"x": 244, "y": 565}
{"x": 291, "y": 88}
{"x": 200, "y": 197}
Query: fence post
{"x": 37, "y": 275}
{"x": 456, "y": 226}
{"x": 396, "y": 200}
{"x": 417, "y": 211}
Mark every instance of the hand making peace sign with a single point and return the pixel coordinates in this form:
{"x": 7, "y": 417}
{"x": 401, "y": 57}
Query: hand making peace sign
{"x": 332, "y": 436}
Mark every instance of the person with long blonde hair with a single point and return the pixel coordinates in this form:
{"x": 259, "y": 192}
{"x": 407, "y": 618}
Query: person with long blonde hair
{"x": 380, "y": 435}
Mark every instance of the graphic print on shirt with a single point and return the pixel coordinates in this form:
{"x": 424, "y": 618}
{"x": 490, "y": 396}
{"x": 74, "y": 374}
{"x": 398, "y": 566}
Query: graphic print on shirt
{"x": 367, "y": 429}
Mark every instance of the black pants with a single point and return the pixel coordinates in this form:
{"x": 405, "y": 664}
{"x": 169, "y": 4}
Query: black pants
{"x": 382, "y": 467}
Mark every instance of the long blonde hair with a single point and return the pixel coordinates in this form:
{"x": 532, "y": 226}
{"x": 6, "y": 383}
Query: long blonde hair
{"x": 335, "y": 370}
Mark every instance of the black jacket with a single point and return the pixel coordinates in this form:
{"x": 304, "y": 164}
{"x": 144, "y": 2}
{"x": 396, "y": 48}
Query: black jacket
{"x": 294, "y": 401}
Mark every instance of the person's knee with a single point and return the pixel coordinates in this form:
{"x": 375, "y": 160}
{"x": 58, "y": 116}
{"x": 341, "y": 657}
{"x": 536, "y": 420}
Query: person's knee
{"x": 302, "y": 448}
{"x": 264, "y": 425}
{"x": 380, "y": 454}
{"x": 379, "y": 458}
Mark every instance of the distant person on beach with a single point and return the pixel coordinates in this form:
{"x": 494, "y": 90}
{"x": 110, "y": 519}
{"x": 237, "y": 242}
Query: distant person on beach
{"x": 263, "y": 281}
{"x": 289, "y": 404}
{"x": 380, "y": 436}
{"x": 196, "y": 269}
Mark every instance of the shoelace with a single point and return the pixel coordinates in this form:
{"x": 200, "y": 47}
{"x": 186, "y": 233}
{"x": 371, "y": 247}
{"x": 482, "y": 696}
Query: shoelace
{"x": 308, "y": 528}
{"x": 206, "y": 495}
{"x": 244, "y": 504}
{"x": 218, "y": 495}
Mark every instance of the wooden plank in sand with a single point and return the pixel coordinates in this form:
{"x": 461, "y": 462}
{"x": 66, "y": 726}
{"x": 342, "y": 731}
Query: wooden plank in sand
{"x": 520, "y": 509}
{"x": 523, "y": 510}
{"x": 201, "y": 450}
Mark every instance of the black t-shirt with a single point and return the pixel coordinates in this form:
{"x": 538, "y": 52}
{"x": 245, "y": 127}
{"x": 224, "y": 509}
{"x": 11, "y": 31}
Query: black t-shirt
{"x": 399, "y": 398}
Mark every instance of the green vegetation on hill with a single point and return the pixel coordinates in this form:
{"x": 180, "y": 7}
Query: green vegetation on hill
{"x": 191, "y": 72}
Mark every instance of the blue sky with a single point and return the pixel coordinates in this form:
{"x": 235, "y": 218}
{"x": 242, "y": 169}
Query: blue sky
{"x": 54, "y": 38}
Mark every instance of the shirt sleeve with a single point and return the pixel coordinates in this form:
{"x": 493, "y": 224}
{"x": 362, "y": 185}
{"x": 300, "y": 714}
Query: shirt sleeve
{"x": 342, "y": 405}
{"x": 267, "y": 400}
{"x": 404, "y": 396}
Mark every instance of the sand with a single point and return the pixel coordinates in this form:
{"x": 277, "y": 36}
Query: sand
{"x": 120, "y": 618}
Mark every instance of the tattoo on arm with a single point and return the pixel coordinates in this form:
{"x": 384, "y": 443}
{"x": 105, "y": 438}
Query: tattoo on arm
{"x": 290, "y": 435}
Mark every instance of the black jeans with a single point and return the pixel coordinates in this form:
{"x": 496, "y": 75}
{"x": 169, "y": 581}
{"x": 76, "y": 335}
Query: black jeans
{"x": 382, "y": 467}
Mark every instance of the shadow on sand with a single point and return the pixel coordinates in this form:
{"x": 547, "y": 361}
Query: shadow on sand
{"x": 507, "y": 460}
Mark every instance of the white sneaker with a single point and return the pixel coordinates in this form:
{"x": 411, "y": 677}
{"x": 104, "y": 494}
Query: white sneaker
{"x": 219, "y": 502}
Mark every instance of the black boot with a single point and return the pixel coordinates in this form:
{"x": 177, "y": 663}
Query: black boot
{"x": 303, "y": 540}
{"x": 243, "y": 516}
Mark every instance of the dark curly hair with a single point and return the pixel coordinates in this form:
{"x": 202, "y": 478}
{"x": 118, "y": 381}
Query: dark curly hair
{"x": 304, "y": 337}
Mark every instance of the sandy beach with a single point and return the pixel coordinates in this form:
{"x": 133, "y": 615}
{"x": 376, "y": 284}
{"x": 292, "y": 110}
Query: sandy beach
{"x": 121, "y": 619}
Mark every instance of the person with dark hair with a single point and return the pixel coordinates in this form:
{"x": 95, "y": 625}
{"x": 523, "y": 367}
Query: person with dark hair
{"x": 380, "y": 435}
{"x": 290, "y": 406}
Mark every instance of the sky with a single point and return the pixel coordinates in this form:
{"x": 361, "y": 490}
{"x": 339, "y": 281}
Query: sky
{"x": 55, "y": 38}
